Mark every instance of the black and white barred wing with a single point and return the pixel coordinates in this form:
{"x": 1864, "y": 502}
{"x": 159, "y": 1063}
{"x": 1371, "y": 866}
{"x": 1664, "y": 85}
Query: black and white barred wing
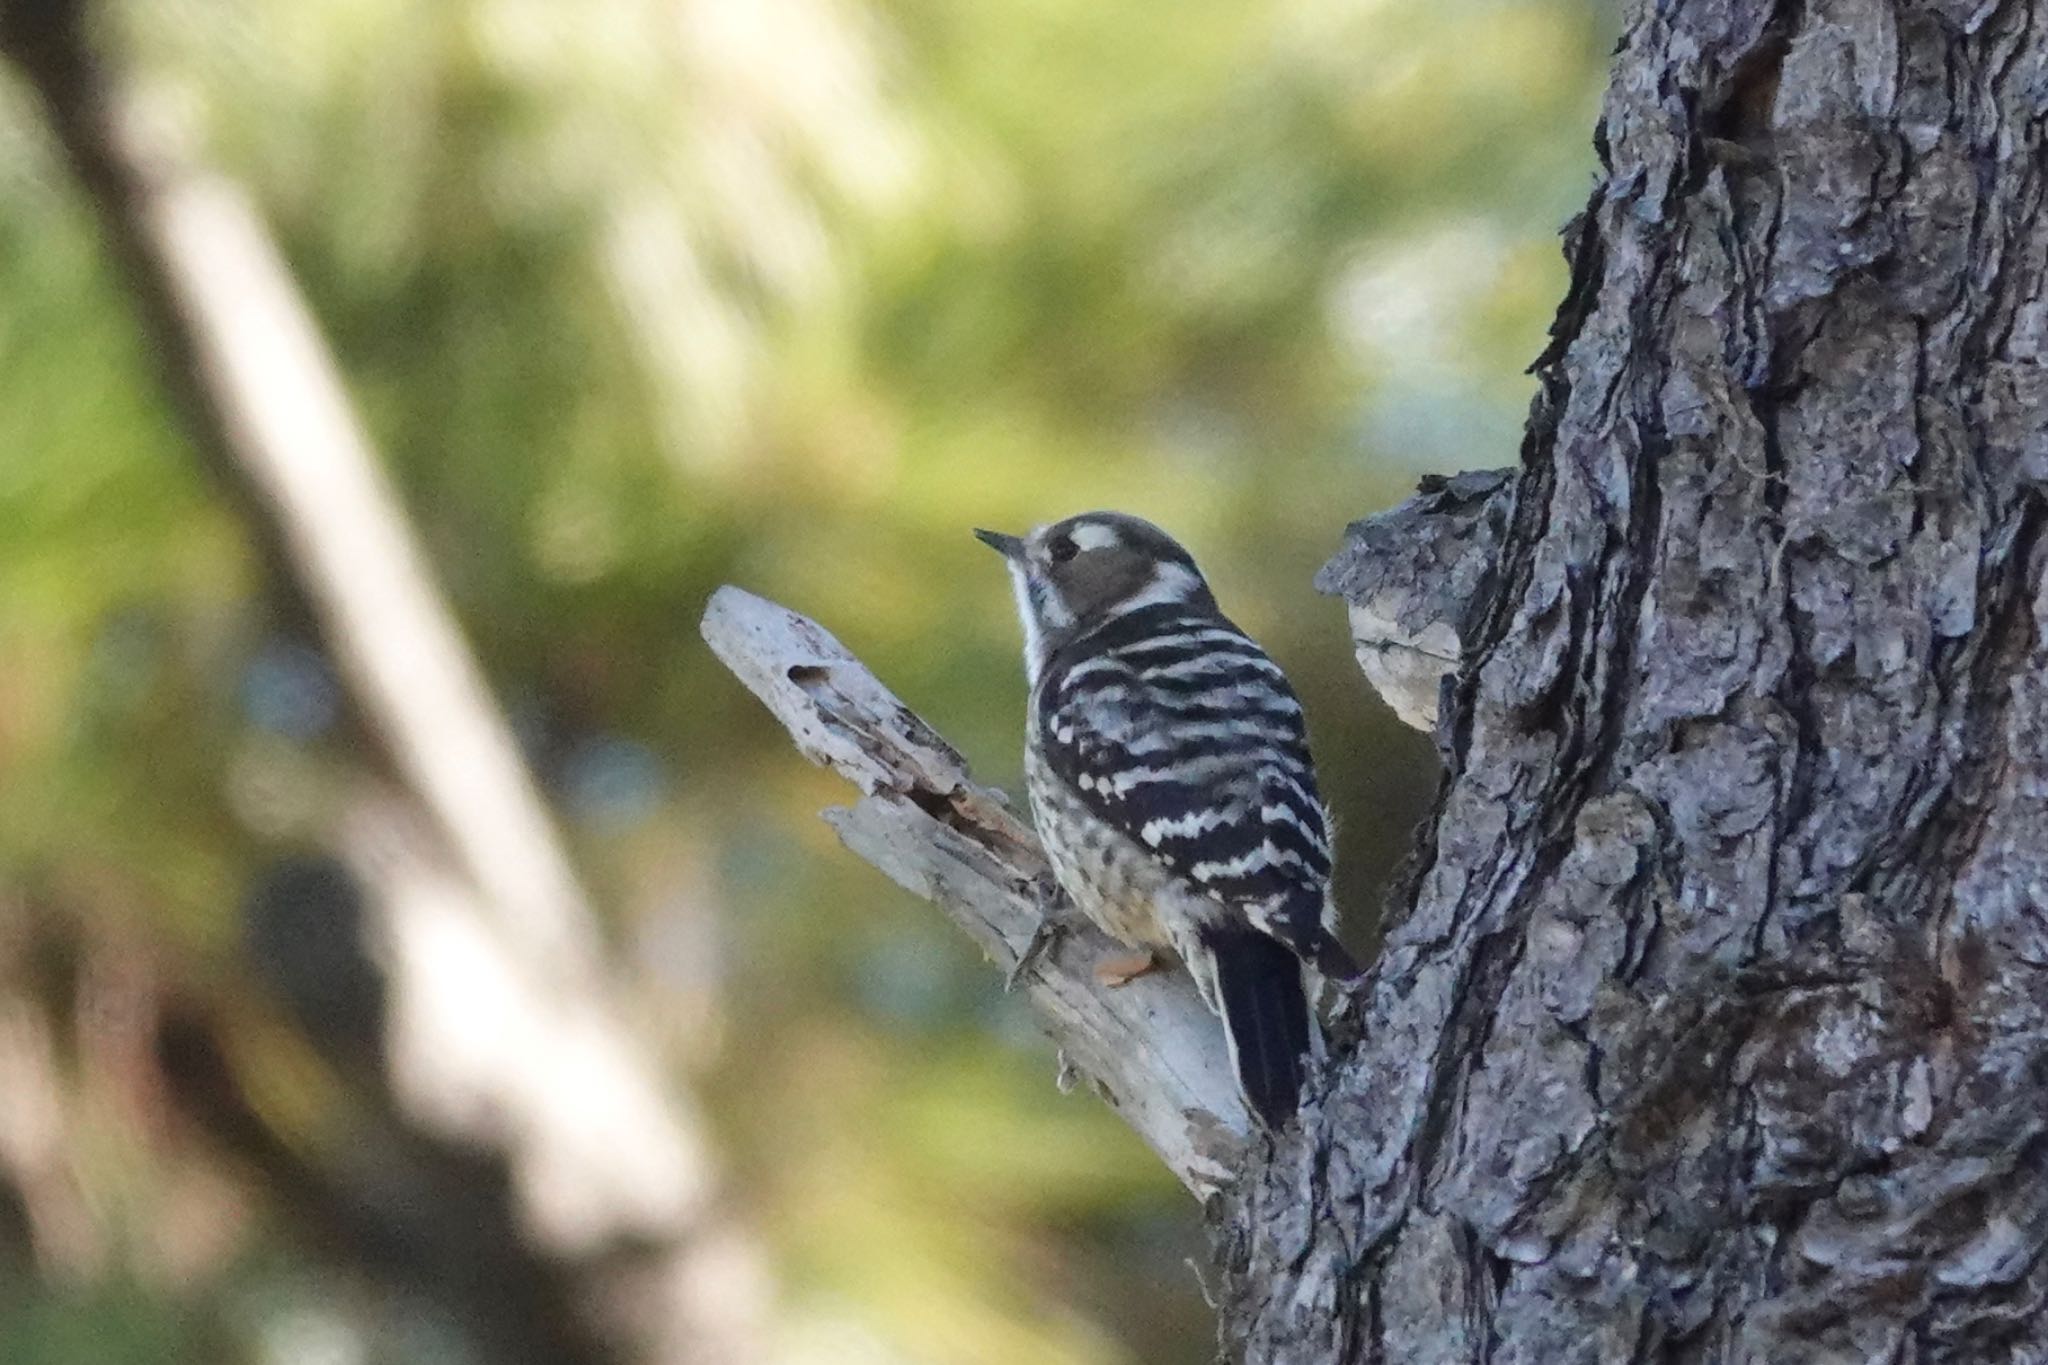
{"x": 1189, "y": 740}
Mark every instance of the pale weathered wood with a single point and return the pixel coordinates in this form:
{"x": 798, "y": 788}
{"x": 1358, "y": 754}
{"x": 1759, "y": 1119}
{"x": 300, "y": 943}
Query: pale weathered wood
{"x": 1151, "y": 1047}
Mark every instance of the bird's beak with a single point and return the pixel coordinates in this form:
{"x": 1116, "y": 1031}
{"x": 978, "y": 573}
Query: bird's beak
{"x": 1009, "y": 547}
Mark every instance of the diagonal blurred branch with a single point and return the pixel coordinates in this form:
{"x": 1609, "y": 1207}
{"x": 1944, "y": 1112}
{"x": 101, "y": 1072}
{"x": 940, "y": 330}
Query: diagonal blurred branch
{"x": 455, "y": 1050}
{"x": 240, "y": 352}
{"x": 1150, "y": 1046}
{"x": 476, "y": 906}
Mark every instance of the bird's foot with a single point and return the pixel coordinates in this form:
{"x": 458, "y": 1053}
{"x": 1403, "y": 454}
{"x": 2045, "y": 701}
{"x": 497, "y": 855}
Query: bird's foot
{"x": 1053, "y": 910}
{"x": 1124, "y": 968}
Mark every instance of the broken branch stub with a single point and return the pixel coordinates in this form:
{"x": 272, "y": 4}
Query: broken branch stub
{"x": 1150, "y": 1047}
{"x": 1410, "y": 576}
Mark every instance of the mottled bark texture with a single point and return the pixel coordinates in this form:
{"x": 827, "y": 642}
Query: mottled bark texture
{"x": 1712, "y": 1023}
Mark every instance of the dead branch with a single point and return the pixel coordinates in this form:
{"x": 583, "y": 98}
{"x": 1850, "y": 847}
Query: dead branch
{"x": 1150, "y": 1047}
{"x": 243, "y": 357}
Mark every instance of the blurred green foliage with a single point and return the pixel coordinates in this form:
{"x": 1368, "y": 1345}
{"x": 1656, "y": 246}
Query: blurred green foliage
{"x": 641, "y": 296}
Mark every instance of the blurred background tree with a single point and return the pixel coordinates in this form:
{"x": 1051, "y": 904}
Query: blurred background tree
{"x": 638, "y": 297}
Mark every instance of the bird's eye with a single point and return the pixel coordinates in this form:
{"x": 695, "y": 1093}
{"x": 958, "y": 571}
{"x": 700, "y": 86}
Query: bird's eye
{"x": 1063, "y": 550}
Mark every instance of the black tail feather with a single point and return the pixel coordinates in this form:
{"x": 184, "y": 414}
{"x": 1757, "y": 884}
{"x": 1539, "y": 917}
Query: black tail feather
{"x": 1266, "y": 1015}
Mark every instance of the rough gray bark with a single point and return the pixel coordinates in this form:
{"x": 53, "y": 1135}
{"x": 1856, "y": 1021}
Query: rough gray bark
{"x": 1711, "y": 1023}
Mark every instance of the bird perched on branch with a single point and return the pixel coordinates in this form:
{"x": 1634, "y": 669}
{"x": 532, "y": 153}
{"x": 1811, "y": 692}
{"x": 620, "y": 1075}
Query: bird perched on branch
{"x": 1170, "y": 780}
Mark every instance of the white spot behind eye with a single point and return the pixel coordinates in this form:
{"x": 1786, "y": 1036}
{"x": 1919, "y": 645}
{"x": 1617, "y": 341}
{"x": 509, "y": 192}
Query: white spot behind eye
{"x": 1171, "y": 583}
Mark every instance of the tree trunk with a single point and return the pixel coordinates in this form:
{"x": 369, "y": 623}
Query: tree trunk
{"x": 1712, "y": 1023}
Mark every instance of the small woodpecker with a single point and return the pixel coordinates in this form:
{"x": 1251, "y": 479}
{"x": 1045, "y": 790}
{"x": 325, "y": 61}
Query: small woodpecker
{"x": 1170, "y": 780}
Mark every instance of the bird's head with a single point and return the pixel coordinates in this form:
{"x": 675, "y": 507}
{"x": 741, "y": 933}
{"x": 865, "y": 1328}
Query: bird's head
{"x": 1074, "y": 575}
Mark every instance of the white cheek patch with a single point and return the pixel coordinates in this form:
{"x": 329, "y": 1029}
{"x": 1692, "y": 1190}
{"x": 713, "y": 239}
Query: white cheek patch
{"x": 1037, "y": 610}
{"x": 1091, "y": 535}
{"x": 1034, "y": 652}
